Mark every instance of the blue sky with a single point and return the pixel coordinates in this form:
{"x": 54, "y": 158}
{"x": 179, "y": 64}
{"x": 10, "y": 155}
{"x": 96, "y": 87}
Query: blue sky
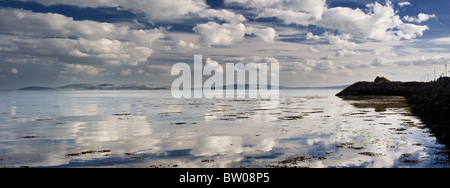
{"x": 316, "y": 42}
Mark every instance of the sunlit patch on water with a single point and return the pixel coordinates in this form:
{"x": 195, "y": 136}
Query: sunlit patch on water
{"x": 307, "y": 129}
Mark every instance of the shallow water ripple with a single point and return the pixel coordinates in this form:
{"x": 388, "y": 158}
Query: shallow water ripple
{"x": 308, "y": 129}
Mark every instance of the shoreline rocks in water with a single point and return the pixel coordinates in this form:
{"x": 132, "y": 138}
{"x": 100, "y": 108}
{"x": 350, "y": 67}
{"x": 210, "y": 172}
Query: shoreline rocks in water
{"x": 430, "y": 101}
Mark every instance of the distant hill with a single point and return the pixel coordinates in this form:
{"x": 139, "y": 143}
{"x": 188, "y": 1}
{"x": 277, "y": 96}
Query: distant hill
{"x": 247, "y": 86}
{"x": 112, "y": 87}
{"x": 306, "y": 88}
{"x": 72, "y": 87}
{"x": 99, "y": 87}
{"x": 35, "y": 88}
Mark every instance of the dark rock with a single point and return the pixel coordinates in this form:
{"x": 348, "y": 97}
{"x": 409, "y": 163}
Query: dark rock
{"x": 430, "y": 101}
{"x": 384, "y": 88}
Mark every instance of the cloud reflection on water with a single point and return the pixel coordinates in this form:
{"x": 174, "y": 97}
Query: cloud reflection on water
{"x": 143, "y": 129}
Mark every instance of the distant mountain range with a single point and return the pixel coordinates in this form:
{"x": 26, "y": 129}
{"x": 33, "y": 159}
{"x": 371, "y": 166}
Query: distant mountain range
{"x": 146, "y": 87}
{"x": 306, "y": 88}
{"x": 98, "y": 87}
{"x": 247, "y": 86}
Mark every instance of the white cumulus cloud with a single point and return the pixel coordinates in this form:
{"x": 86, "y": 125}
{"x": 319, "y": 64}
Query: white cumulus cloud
{"x": 229, "y": 33}
{"x": 14, "y": 71}
{"x": 126, "y": 72}
{"x": 185, "y": 45}
{"x": 163, "y": 10}
{"x": 155, "y": 9}
{"x": 313, "y": 7}
{"x": 404, "y": 4}
{"x": 222, "y": 14}
{"x": 420, "y": 18}
{"x": 48, "y": 35}
{"x": 76, "y": 69}
{"x": 378, "y": 21}
{"x": 220, "y": 34}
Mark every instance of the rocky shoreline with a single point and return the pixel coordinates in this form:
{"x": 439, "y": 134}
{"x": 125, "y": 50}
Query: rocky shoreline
{"x": 430, "y": 101}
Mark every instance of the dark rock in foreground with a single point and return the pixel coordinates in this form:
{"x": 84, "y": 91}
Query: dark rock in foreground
{"x": 430, "y": 101}
{"x": 373, "y": 88}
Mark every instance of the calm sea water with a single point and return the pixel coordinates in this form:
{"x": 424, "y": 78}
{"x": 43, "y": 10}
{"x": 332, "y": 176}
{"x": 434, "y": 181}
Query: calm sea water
{"x": 310, "y": 128}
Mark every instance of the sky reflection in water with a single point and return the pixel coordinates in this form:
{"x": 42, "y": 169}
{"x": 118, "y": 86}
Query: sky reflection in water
{"x": 150, "y": 129}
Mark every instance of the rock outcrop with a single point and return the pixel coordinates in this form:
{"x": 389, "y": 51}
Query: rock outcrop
{"x": 430, "y": 101}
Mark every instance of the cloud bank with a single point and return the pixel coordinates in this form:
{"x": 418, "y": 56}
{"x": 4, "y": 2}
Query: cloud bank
{"x": 313, "y": 40}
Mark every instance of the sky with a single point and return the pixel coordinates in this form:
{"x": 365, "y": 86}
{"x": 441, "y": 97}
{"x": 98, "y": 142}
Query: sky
{"x": 316, "y": 42}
